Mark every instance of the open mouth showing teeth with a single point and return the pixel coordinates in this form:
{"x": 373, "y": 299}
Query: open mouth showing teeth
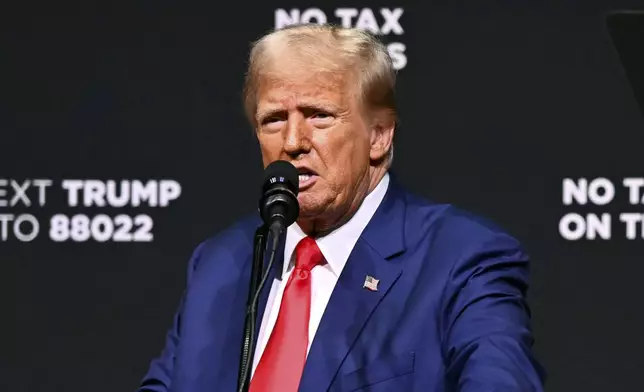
{"x": 306, "y": 178}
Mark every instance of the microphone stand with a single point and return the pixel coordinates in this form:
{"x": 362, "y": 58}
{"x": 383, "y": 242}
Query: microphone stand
{"x": 257, "y": 282}
{"x": 247, "y": 351}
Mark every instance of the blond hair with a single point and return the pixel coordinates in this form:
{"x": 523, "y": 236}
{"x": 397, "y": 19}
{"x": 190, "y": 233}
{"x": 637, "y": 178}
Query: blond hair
{"x": 331, "y": 49}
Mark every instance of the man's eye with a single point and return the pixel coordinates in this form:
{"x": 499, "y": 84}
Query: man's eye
{"x": 321, "y": 115}
{"x": 271, "y": 120}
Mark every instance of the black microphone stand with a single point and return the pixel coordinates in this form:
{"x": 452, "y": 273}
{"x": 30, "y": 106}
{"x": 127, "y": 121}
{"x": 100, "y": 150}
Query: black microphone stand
{"x": 247, "y": 352}
{"x": 257, "y": 282}
{"x": 279, "y": 208}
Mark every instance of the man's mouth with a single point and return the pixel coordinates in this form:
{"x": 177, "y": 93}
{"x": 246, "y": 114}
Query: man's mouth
{"x": 306, "y": 178}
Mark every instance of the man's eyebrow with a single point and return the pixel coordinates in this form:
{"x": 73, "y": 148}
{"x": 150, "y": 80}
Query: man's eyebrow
{"x": 268, "y": 112}
{"x": 318, "y": 106}
{"x": 271, "y": 111}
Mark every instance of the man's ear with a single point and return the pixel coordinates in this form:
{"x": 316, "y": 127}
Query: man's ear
{"x": 382, "y": 134}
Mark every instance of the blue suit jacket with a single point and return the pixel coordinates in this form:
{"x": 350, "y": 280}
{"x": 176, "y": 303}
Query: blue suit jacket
{"x": 450, "y": 312}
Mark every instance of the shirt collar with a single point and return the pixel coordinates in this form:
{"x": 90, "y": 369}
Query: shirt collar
{"x": 337, "y": 245}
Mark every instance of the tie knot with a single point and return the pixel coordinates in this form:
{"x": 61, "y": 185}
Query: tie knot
{"x": 308, "y": 254}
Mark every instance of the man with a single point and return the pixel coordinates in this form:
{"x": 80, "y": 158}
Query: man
{"x": 376, "y": 289}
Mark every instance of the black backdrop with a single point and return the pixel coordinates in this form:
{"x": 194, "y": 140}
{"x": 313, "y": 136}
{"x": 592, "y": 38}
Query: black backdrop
{"x": 500, "y": 102}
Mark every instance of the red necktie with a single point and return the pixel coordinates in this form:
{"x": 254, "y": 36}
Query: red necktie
{"x": 282, "y": 363}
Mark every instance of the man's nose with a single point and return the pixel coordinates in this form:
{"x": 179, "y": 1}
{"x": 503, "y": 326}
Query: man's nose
{"x": 296, "y": 138}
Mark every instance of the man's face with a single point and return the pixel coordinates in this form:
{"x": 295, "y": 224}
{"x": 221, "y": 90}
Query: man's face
{"x": 314, "y": 122}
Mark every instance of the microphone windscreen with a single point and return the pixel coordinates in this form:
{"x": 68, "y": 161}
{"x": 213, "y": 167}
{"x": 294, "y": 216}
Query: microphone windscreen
{"x": 281, "y": 172}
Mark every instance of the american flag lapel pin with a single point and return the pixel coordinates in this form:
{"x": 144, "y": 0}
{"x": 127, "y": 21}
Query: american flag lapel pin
{"x": 370, "y": 283}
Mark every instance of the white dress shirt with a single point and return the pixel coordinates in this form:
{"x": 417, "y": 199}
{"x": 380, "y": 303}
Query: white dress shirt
{"x": 336, "y": 248}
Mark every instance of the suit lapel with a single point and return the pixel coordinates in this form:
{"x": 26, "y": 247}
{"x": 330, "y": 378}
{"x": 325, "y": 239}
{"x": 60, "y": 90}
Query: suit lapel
{"x": 351, "y": 304}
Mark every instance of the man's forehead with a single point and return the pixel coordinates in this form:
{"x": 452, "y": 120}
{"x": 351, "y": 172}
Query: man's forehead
{"x": 299, "y": 92}
{"x": 302, "y": 78}
{"x": 291, "y": 91}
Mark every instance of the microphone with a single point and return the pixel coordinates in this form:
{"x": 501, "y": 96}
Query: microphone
{"x": 279, "y": 208}
{"x": 278, "y": 204}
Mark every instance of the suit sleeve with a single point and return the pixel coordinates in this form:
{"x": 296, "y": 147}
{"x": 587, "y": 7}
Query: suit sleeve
{"x": 488, "y": 337}
{"x": 159, "y": 375}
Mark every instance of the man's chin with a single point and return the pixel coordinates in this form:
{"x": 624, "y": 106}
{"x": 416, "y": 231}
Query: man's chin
{"x": 314, "y": 206}
{"x": 307, "y": 213}
{"x": 311, "y": 211}
{"x": 315, "y": 216}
